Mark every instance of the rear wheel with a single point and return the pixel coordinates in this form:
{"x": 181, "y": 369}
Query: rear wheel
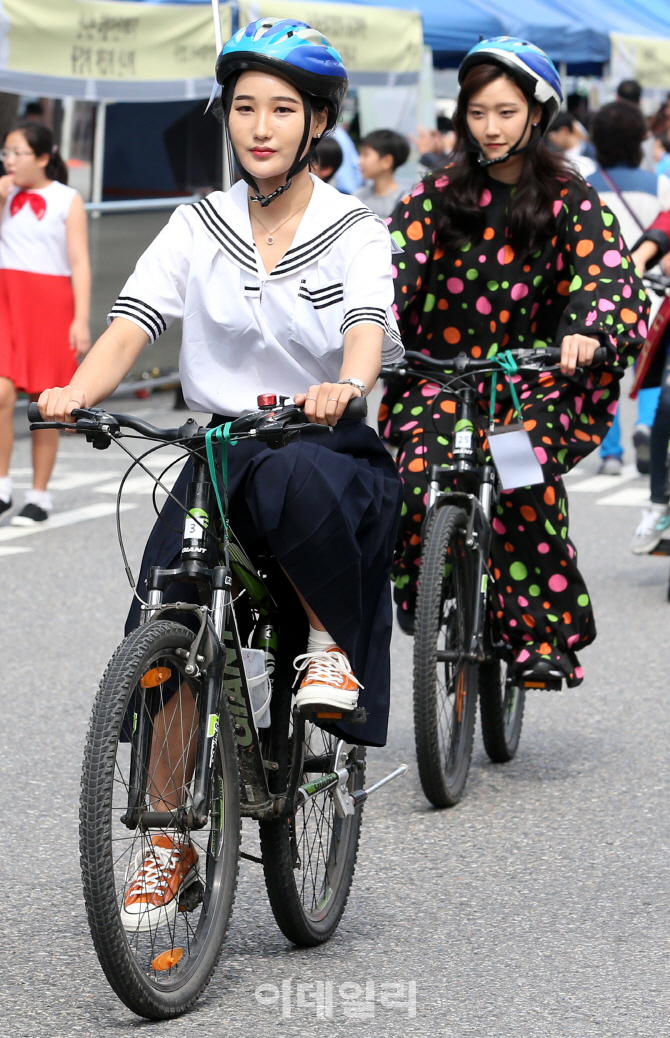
{"x": 445, "y": 690}
{"x": 309, "y": 859}
{"x": 501, "y": 706}
{"x": 157, "y": 962}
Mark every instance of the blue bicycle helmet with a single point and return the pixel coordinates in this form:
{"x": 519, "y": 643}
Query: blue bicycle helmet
{"x": 296, "y": 52}
{"x": 530, "y": 67}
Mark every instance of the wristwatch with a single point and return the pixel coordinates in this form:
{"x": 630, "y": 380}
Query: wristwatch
{"x": 353, "y": 382}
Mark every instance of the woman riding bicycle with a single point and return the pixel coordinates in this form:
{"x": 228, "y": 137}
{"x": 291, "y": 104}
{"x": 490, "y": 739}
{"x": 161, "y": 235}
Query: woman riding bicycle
{"x": 282, "y": 285}
{"x": 508, "y": 247}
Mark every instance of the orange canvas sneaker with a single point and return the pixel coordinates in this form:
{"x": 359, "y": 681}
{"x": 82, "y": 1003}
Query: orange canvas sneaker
{"x": 328, "y": 681}
{"x": 152, "y": 895}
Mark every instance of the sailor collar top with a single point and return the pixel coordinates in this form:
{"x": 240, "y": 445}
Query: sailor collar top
{"x": 245, "y": 331}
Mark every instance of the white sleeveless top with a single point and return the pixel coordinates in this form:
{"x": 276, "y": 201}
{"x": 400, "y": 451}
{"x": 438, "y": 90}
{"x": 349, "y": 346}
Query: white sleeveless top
{"x": 32, "y": 231}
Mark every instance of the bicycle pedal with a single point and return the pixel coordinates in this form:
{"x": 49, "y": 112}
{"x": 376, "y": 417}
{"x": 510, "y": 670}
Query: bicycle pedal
{"x": 191, "y": 897}
{"x": 550, "y": 684}
{"x": 357, "y": 716}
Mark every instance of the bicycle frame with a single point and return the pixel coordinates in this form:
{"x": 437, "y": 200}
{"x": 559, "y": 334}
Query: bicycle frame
{"x": 216, "y": 657}
{"x": 471, "y": 487}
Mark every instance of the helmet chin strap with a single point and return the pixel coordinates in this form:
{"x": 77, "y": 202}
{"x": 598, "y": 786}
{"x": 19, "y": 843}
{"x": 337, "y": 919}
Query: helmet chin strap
{"x": 298, "y": 165}
{"x": 515, "y": 150}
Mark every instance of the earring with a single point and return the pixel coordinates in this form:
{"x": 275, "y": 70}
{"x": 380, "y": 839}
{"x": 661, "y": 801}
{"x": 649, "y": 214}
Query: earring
{"x": 535, "y": 124}
{"x": 318, "y": 134}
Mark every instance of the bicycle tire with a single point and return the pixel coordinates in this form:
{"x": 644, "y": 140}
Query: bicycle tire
{"x": 309, "y": 859}
{"x": 153, "y": 987}
{"x": 444, "y": 710}
{"x": 501, "y": 708}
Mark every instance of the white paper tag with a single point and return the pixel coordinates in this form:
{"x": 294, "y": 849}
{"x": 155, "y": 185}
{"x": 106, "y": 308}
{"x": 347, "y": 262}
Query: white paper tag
{"x": 462, "y": 441}
{"x": 192, "y": 529}
{"x": 514, "y": 457}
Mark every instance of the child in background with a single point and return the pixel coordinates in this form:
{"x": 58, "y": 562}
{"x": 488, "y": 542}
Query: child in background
{"x": 662, "y": 154}
{"x": 45, "y": 290}
{"x": 326, "y": 159}
{"x": 381, "y": 152}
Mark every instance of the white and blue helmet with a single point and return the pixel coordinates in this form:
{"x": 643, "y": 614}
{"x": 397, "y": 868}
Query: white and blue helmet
{"x": 529, "y": 66}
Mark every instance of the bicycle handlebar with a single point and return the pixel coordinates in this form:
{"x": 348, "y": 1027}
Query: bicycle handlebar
{"x": 264, "y": 424}
{"x": 464, "y": 365}
{"x": 658, "y": 283}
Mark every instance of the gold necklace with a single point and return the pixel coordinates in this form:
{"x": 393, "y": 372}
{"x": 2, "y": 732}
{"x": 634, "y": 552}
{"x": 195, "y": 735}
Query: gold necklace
{"x": 270, "y": 234}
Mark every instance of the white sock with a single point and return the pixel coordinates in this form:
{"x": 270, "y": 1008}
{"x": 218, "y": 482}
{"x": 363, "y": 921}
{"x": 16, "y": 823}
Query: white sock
{"x": 5, "y": 488}
{"x": 319, "y": 641}
{"x": 41, "y": 498}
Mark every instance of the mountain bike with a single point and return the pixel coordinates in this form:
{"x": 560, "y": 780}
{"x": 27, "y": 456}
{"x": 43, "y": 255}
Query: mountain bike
{"x": 194, "y": 727}
{"x": 459, "y": 653}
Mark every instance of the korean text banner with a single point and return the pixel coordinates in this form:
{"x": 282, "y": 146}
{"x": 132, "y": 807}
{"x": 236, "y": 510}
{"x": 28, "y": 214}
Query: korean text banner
{"x": 379, "y": 45}
{"x": 644, "y": 58}
{"x": 109, "y": 49}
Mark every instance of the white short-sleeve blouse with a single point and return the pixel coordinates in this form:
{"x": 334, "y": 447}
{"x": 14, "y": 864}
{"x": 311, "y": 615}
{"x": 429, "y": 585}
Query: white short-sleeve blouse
{"x": 247, "y": 332}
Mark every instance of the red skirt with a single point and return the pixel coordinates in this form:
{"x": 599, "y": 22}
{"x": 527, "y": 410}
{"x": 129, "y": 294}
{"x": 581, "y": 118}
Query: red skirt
{"x": 36, "y": 311}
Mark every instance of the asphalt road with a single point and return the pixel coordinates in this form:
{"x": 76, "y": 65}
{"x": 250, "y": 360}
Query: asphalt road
{"x": 537, "y": 908}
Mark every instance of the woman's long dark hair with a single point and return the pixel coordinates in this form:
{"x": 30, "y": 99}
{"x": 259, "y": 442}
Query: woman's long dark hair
{"x": 40, "y": 140}
{"x": 530, "y": 216}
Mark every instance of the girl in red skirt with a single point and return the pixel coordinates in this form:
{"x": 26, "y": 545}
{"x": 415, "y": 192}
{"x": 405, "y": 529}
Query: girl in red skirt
{"x": 45, "y": 290}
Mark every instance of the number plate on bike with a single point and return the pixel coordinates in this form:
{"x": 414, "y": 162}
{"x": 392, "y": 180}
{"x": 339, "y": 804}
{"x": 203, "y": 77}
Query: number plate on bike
{"x": 463, "y": 441}
{"x": 514, "y": 457}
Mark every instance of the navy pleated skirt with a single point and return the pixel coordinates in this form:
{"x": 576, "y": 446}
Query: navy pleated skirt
{"x": 328, "y": 507}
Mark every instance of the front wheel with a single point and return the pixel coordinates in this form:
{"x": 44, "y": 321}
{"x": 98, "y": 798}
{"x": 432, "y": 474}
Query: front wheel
{"x": 501, "y": 705}
{"x": 445, "y": 683}
{"x": 158, "y": 953}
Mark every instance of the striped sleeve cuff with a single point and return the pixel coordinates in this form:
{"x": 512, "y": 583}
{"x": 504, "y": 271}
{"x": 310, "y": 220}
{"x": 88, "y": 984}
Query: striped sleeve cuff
{"x": 392, "y": 349}
{"x": 363, "y": 315}
{"x": 141, "y": 314}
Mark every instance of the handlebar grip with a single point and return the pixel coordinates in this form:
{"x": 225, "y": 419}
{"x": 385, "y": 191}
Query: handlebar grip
{"x": 34, "y": 412}
{"x": 357, "y": 408}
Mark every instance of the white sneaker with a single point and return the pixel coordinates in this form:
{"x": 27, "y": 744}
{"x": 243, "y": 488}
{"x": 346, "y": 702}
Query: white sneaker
{"x": 161, "y": 873}
{"x": 610, "y": 466}
{"x": 651, "y": 529}
{"x": 328, "y": 683}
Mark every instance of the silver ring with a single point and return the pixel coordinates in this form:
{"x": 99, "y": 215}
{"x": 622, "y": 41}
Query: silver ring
{"x": 335, "y": 398}
{"x": 311, "y": 398}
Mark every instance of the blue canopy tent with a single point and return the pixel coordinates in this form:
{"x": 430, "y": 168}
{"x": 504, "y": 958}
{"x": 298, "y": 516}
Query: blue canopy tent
{"x": 634, "y": 17}
{"x": 566, "y": 38}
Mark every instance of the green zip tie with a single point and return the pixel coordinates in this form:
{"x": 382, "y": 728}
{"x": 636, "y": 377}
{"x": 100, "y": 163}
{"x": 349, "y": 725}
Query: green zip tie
{"x": 509, "y": 367}
{"x": 222, "y": 435}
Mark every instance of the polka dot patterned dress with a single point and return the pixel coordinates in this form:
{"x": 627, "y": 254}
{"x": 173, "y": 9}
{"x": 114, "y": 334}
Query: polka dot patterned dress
{"x": 483, "y": 298}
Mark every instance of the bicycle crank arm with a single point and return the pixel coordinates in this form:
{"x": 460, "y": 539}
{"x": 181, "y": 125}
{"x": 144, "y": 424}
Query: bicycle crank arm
{"x": 360, "y": 795}
{"x": 320, "y": 785}
{"x": 448, "y": 656}
{"x": 179, "y": 819}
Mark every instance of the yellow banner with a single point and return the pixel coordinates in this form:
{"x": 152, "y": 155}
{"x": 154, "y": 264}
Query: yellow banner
{"x": 644, "y": 58}
{"x": 370, "y": 39}
{"x": 110, "y": 39}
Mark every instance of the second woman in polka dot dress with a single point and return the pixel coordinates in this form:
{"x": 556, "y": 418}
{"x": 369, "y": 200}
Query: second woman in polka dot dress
{"x": 505, "y": 248}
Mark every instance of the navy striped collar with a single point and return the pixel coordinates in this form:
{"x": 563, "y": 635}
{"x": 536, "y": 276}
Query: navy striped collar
{"x": 328, "y": 215}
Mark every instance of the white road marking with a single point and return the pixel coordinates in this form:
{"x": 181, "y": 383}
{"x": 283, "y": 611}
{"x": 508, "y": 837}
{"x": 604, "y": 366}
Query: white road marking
{"x": 635, "y": 497}
{"x": 73, "y": 480}
{"x": 597, "y": 484}
{"x": 134, "y": 485}
{"x": 13, "y": 550}
{"x": 76, "y": 515}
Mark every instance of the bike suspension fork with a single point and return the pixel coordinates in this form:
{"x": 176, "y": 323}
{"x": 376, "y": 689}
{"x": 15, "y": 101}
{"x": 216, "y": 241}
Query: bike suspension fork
{"x": 480, "y": 535}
